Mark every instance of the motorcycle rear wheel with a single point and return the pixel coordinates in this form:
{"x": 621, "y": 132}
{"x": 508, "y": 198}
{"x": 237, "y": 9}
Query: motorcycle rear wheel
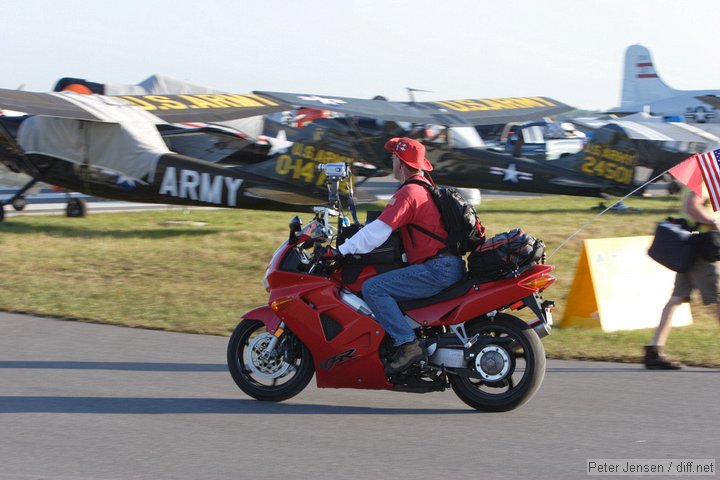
{"x": 285, "y": 374}
{"x": 525, "y": 362}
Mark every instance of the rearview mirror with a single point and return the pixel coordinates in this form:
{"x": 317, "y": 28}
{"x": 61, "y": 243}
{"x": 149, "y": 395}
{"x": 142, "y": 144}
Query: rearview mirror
{"x": 295, "y": 227}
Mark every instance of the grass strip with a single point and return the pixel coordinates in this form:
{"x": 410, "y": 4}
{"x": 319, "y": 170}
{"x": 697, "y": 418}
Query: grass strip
{"x": 130, "y": 269}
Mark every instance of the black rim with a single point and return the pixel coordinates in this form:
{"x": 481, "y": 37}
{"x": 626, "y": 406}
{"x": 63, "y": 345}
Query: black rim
{"x": 273, "y": 373}
{"x": 521, "y": 364}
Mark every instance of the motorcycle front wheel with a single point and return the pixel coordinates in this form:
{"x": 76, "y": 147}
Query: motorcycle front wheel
{"x": 273, "y": 378}
{"x": 512, "y": 369}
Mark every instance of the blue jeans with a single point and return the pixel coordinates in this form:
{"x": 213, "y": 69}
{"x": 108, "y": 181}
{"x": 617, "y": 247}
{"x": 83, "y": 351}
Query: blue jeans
{"x": 415, "y": 281}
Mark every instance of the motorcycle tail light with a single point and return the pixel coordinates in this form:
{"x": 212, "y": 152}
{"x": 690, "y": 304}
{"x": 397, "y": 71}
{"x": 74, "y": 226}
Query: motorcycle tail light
{"x": 539, "y": 283}
{"x": 280, "y": 305}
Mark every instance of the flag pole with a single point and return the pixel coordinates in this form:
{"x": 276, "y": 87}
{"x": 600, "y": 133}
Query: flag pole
{"x": 582, "y": 227}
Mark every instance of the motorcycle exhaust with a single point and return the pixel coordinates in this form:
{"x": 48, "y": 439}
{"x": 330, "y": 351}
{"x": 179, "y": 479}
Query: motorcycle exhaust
{"x": 540, "y": 327}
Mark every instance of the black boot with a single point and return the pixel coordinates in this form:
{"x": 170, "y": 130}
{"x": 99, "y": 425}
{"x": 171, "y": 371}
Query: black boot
{"x": 656, "y": 360}
{"x": 407, "y": 354}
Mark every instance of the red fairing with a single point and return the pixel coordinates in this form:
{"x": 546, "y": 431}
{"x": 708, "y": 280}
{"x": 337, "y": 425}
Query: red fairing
{"x": 367, "y": 272}
{"x": 351, "y": 358}
{"x": 265, "y": 315}
{"x": 482, "y": 298}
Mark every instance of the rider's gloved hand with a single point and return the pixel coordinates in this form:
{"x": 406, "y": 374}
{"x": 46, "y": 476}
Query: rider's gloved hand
{"x": 328, "y": 254}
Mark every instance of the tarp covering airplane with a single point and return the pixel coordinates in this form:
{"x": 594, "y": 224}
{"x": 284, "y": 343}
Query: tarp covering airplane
{"x": 126, "y": 146}
{"x": 163, "y": 85}
{"x": 480, "y": 111}
{"x": 158, "y": 84}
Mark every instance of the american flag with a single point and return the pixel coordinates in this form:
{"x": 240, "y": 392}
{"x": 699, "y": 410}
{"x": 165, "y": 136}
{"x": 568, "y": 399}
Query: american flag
{"x": 708, "y": 163}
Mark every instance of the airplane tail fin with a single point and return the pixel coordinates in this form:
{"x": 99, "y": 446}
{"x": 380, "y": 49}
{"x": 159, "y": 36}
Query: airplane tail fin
{"x": 641, "y": 83}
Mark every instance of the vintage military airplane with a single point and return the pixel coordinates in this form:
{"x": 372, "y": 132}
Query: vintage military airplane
{"x": 644, "y": 91}
{"x": 614, "y": 161}
{"x": 131, "y": 147}
{"x": 112, "y": 147}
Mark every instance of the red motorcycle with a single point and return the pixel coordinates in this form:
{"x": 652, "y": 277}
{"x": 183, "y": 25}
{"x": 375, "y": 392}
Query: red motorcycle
{"x": 317, "y": 322}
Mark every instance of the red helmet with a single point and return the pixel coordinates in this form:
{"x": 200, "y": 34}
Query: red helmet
{"x": 410, "y": 151}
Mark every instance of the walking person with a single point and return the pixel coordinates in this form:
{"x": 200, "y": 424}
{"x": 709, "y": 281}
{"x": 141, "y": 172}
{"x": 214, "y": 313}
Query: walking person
{"x": 703, "y": 276}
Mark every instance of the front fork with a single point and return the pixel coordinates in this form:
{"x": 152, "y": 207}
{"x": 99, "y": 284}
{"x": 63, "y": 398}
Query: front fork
{"x": 270, "y": 349}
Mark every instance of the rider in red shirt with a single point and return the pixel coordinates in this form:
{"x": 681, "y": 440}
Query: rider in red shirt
{"x": 413, "y": 205}
{"x": 431, "y": 269}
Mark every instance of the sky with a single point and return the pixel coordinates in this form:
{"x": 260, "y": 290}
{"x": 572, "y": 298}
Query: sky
{"x": 569, "y": 50}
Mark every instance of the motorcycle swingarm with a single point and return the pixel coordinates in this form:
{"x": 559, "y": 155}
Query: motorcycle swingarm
{"x": 450, "y": 341}
{"x": 479, "y": 342}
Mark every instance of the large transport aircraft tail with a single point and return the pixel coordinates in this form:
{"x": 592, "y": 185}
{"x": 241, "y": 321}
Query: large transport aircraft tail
{"x": 641, "y": 83}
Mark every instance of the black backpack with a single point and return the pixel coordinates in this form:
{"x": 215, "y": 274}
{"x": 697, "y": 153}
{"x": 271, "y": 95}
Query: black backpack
{"x": 465, "y": 232}
{"x": 505, "y": 255}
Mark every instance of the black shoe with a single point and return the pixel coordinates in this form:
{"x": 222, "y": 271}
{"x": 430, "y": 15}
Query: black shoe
{"x": 407, "y": 354}
{"x": 656, "y": 360}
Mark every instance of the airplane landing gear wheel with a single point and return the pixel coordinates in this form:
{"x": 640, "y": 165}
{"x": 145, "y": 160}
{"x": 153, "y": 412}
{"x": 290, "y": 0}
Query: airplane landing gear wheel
{"x": 2, "y": 213}
{"x": 19, "y": 203}
{"x": 76, "y": 207}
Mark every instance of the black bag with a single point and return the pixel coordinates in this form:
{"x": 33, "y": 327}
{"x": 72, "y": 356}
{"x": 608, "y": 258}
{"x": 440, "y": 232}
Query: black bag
{"x": 386, "y": 257}
{"x": 390, "y": 252}
{"x": 674, "y": 245}
{"x": 709, "y": 245}
{"x": 465, "y": 231}
{"x": 505, "y": 255}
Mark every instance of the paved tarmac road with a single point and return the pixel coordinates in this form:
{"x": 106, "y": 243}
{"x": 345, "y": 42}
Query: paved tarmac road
{"x": 85, "y": 401}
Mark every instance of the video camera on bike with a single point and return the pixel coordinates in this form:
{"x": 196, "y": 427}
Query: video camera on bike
{"x": 334, "y": 171}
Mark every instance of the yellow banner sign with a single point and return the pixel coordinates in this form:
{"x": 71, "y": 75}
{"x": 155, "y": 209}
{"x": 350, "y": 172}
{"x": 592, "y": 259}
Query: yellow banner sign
{"x": 618, "y": 287}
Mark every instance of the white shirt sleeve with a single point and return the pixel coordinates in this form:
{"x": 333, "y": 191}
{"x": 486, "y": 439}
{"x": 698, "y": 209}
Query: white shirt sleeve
{"x": 367, "y": 239}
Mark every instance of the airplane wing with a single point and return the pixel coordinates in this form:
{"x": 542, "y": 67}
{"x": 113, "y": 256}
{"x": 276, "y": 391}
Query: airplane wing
{"x": 170, "y": 108}
{"x": 205, "y": 107}
{"x": 45, "y": 104}
{"x": 641, "y": 126}
{"x": 680, "y": 132}
{"x": 713, "y": 100}
{"x": 479, "y": 111}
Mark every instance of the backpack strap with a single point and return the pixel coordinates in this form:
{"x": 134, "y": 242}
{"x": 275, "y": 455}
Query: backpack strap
{"x": 416, "y": 182}
{"x": 430, "y": 234}
{"x": 425, "y": 230}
